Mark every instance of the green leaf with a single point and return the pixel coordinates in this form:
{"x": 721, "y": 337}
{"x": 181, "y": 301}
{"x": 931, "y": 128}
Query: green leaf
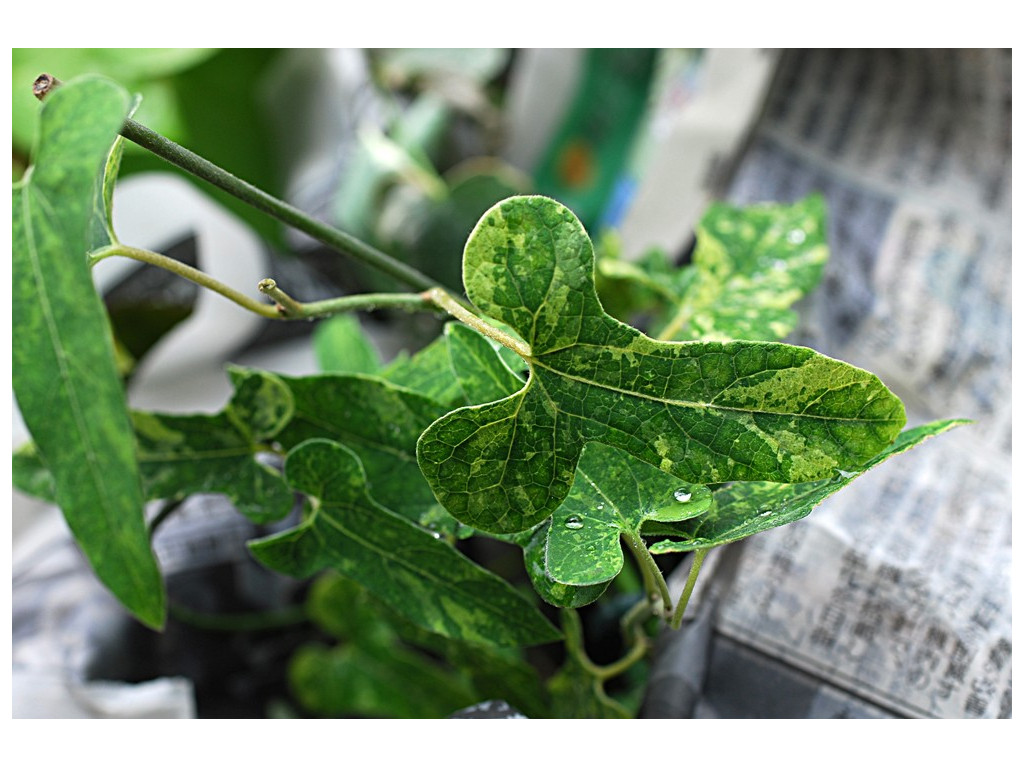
{"x": 380, "y": 422}
{"x": 534, "y": 544}
{"x": 744, "y": 509}
{"x": 64, "y": 375}
{"x": 405, "y": 566}
{"x": 347, "y": 611}
{"x": 612, "y": 496}
{"x": 750, "y": 265}
{"x": 481, "y": 373}
{"x": 429, "y": 373}
{"x": 371, "y": 682}
{"x": 181, "y": 454}
{"x": 342, "y": 347}
{"x": 704, "y": 412}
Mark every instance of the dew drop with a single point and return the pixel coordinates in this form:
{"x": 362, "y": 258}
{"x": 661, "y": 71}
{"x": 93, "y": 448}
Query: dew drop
{"x": 796, "y": 236}
{"x": 573, "y": 523}
{"x": 764, "y": 513}
{"x": 601, "y": 505}
{"x": 682, "y": 495}
{"x": 846, "y": 475}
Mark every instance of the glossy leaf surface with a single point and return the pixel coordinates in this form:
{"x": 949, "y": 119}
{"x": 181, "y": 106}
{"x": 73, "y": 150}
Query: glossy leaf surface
{"x": 64, "y": 375}
{"x": 744, "y": 509}
{"x": 704, "y": 412}
{"x": 534, "y": 544}
{"x": 612, "y": 496}
{"x": 380, "y": 422}
{"x": 406, "y": 567}
{"x": 750, "y": 265}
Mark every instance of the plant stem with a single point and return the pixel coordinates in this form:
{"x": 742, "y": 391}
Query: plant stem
{"x": 654, "y": 581}
{"x": 188, "y": 272}
{"x": 574, "y": 646}
{"x": 441, "y": 299}
{"x": 698, "y": 559}
{"x": 166, "y": 511}
{"x": 290, "y": 309}
{"x": 280, "y": 210}
{"x": 286, "y": 307}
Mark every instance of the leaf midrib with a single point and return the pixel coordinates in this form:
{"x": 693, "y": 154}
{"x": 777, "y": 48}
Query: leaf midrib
{"x": 406, "y": 564}
{"x": 694, "y": 405}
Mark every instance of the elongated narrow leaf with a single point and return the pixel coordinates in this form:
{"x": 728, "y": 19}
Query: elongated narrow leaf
{"x": 744, "y": 509}
{"x": 612, "y": 496}
{"x": 406, "y": 567}
{"x": 704, "y": 412}
{"x": 750, "y": 265}
{"x": 64, "y": 375}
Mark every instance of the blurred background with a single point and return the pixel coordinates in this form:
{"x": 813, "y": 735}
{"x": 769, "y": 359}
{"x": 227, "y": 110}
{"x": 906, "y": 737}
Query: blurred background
{"x": 894, "y": 601}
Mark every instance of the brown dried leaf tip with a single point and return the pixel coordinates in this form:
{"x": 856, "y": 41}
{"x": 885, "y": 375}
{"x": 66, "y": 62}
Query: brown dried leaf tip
{"x": 43, "y": 85}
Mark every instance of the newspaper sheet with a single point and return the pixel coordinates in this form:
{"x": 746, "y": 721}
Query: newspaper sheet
{"x": 897, "y": 591}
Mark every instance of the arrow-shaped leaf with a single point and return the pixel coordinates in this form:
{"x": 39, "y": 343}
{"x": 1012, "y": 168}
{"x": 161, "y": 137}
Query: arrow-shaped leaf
{"x": 405, "y": 566}
{"x": 64, "y": 374}
{"x": 704, "y": 412}
{"x": 612, "y": 496}
{"x": 744, "y": 509}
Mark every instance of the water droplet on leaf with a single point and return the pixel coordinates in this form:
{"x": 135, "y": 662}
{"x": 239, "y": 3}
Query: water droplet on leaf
{"x": 682, "y": 495}
{"x": 846, "y": 475}
{"x": 573, "y": 523}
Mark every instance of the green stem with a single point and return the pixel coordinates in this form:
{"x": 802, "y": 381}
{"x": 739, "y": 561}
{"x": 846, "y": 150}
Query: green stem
{"x": 443, "y": 300}
{"x": 280, "y": 210}
{"x": 286, "y": 307}
{"x": 239, "y": 622}
{"x": 698, "y": 560}
{"x": 290, "y": 309}
{"x": 654, "y": 581}
{"x": 574, "y": 647}
{"x": 187, "y": 272}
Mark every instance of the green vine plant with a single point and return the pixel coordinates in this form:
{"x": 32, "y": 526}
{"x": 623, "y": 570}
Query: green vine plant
{"x": 536, "y": 418}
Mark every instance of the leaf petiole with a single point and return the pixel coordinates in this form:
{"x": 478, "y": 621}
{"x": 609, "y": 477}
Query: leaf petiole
{"x": 691, "y": 580}
{"x": 654, "y": 581}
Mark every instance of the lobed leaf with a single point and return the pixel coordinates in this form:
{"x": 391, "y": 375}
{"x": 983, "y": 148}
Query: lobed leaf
{"x": 64, "y": 375}
{"x": 405, "y": 566}
{"x": 744, "y": 509}
{"x": 612, "y": 496}
{"x": 183, "y": 454}
{"x": 703, "y": 412}
{"x": 750, "y": 265}
{"x": 377, "y": 420}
